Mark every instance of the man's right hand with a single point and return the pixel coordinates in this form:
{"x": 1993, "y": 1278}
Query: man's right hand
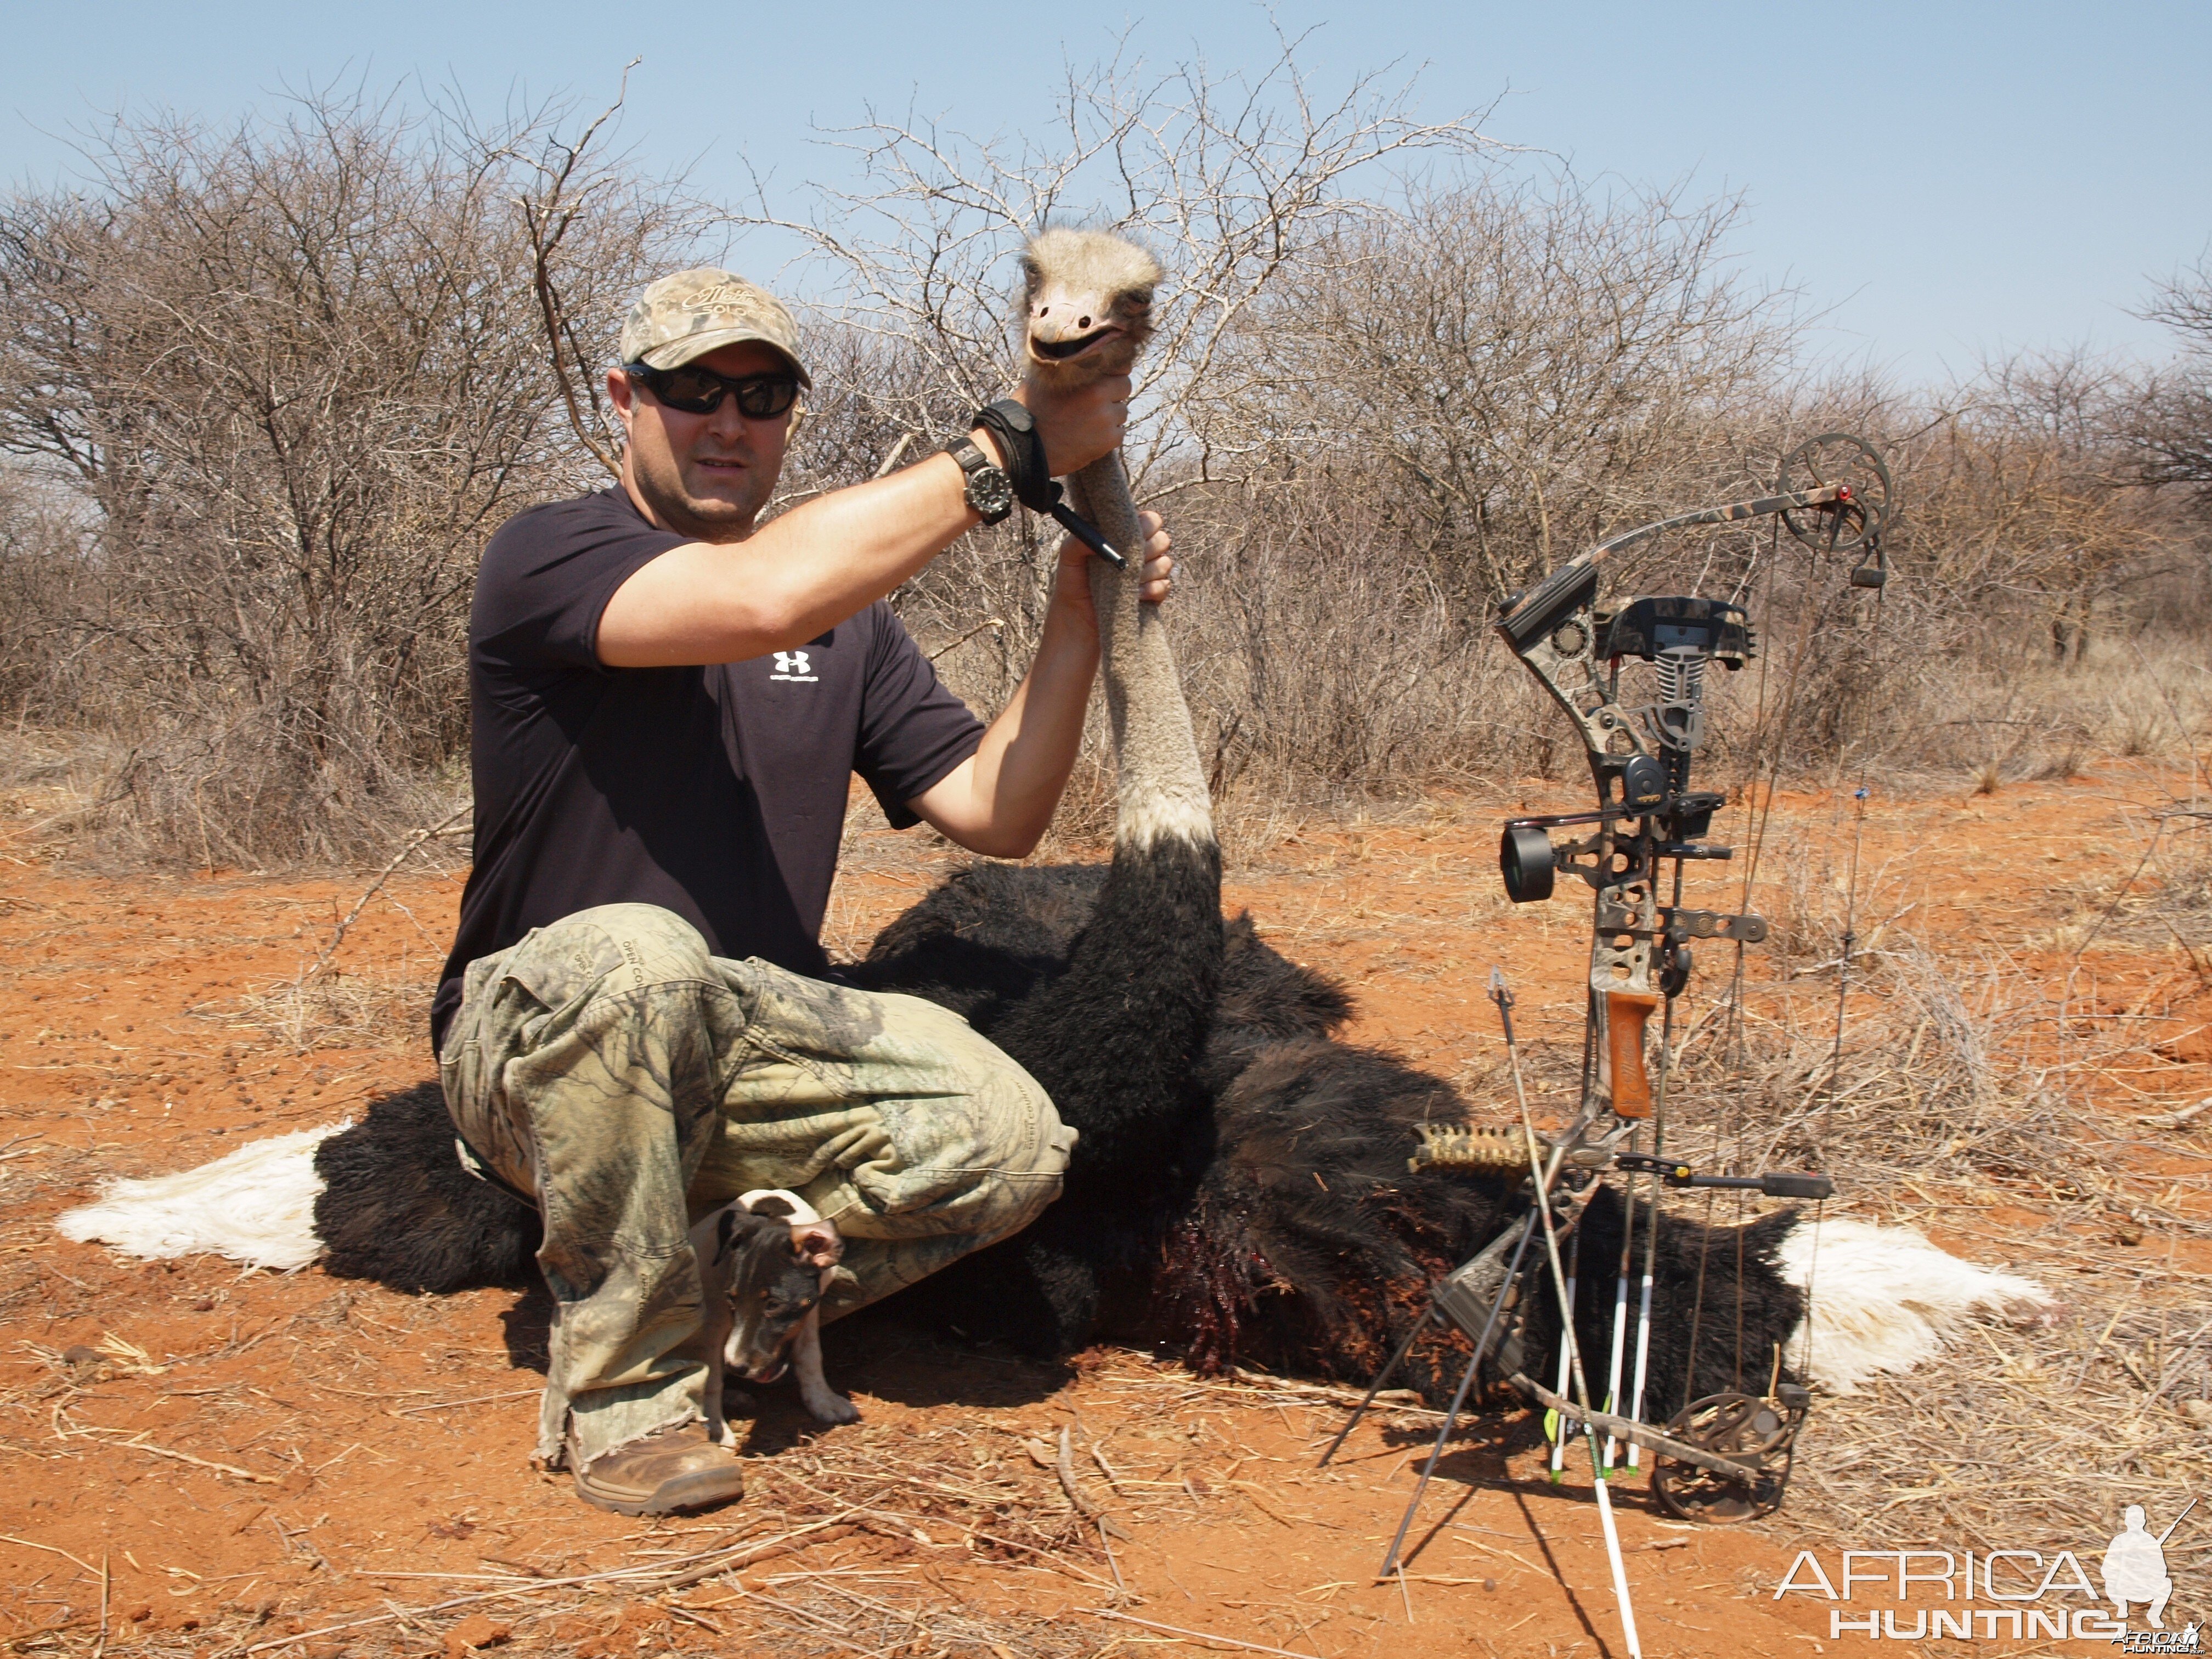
{"x": 1078, "y": 425}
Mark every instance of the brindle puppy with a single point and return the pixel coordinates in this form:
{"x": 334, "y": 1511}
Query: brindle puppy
{"x": 764, "y": 1261}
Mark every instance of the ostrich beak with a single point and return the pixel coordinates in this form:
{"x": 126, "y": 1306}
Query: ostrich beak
{"x": 1066, "y": 323}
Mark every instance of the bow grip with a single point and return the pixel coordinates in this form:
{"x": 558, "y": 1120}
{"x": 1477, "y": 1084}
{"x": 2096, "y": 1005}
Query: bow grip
{"x": 1625, "y": 1013}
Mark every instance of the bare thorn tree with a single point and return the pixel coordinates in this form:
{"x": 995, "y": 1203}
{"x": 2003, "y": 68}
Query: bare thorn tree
{"x": 1228, "y": 181}
{"x": 1526, "y": 365}
{"x": 295, "y": 373}
{"x": 2169, "y": 426}
{"x": 564, "y": 195}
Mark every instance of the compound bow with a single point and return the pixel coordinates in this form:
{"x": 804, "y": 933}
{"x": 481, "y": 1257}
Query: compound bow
{"x": 1724, "y": 1457}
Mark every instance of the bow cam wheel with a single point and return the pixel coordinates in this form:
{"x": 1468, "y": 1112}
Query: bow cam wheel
{"x": 1737, "y": 1426}
{"x": 1836, "y": 458}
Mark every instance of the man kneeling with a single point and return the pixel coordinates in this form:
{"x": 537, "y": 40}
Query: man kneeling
{"x": 668, "y": 704}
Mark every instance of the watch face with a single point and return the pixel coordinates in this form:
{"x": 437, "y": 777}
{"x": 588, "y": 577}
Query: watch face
{"x": 989, "y": 493}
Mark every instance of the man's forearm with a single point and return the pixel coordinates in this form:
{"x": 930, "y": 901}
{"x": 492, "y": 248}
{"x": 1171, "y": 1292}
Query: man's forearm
{"x": 1000, "y": 802}
{"x": 796, "y": 577}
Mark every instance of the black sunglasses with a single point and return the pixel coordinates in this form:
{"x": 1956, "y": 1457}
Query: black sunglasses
{"x": 697, "y": 390}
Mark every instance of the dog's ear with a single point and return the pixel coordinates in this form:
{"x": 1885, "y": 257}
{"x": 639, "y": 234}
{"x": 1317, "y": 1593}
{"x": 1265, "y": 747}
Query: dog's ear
{"x": 725, "y": 1228}
{"x": 817, "y": 1244}
{"x": 779, "y": 1201}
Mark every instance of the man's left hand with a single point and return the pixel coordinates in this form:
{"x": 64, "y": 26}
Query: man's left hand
{"x": 999, "y": 800}
{"x": 1072, "y": 587}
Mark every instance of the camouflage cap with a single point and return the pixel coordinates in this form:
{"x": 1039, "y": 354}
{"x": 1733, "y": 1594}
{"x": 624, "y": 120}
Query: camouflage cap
{"x": 696, "y": 312}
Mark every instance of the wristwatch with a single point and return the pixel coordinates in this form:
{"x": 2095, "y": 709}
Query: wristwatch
{"x": 990, "y": 491}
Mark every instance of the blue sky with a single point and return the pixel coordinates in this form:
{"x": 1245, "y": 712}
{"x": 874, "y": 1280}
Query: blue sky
{"x": 1942, "y": 181}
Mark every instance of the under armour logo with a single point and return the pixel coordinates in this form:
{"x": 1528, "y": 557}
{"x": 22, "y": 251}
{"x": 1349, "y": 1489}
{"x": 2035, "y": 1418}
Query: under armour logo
{"x": 794, "y": 666}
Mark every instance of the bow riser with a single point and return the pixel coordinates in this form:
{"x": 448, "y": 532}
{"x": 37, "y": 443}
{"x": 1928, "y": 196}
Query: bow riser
{"x": 1640, "y": 757}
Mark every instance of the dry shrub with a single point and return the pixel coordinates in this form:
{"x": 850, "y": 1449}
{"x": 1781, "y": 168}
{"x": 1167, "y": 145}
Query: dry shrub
{"x": 1391, "y": 384}
{"x": 2021, "y": 504}
{"x": 1497, "y": 372}
{"x": 45, "y": 778}
{"x": 45, "y": 537}
{"x": 2166, "y": 422}
{"x": 290, "y": 377}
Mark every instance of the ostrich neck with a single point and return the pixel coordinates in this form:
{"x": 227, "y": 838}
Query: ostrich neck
{"x": 1161, "y": 791}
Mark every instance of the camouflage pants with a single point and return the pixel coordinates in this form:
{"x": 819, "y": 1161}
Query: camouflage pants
{"x": 634, "y": 1082}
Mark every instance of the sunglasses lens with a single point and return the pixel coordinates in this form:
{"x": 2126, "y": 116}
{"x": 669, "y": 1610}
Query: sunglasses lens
{"x": 763, "y": 397}
{"x": 694, "y": 391}
{"x": 699, "y": 392}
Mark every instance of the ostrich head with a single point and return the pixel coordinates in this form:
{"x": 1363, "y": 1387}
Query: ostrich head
{"x": 1088, "y": 297}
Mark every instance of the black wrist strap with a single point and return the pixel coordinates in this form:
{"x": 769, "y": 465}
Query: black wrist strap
{"x": 1028, "y": 473}
{"x": 1027, "y": 469}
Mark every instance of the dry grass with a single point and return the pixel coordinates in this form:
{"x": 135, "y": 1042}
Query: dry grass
{"x": 830, "y": 1613}
{"x": 909, "y": 1493}
{"x": 972, "y": 1489}
{"x": 1971, "y": 1096}
{"x": 1958, "y": 1103}
{"x": 1961, "y": 1102}
{"x": 2158, "y": 899}
{"x": 382, "y": 1007}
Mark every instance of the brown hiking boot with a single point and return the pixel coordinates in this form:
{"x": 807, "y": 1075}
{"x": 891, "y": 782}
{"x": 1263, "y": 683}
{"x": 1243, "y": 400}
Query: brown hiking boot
{"x": 664, "y": 1473}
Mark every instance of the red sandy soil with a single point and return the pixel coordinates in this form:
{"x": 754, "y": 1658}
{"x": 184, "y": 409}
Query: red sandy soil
{"x": 282, "y": 1451}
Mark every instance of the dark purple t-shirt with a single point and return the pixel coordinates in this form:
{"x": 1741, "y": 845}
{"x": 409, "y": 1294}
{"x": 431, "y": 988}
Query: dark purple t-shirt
{"x": 717, "y": 792}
